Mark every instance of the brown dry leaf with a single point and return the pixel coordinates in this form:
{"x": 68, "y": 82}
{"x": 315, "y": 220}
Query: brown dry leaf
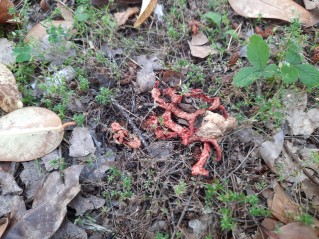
{"x": 199, "y": 39}
{"x": 49, "y": 206}
{"x": 147, "y": 8}
{"x": 9, "y": 94}
{"x": 122, "y": 17}
{"x": 312, "y": 192}
{"x": 38, "y": 32}
{"x": 294, "y": 230}
{"x": 5, "y": 5}
{"x": 201, "y": 51}
{"x": 197, "y": 48}
{"x": 281, "y": 206}
{"x": 286, "y": 10}
{"x": 30, "y": 133}
{"x": 3, "y": 225}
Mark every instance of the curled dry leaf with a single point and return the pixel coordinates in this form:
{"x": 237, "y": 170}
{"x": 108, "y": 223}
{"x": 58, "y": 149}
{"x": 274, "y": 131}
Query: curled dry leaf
{"x": 147, "y": 8}
{"x": 30, "y": 133}
{"x": 286, "y": 10}
{"x": 9, "y": 94}
{"x": 49, "y": 206}
{"x": 197, "y": 47}
{"x": 122, "y": 17}
{"x": 5, "y": 5}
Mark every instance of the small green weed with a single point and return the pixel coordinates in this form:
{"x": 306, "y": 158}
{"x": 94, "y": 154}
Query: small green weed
{"x": 79, "y": 119}
{"x": 104, "y": 97}
{"x": 161, "y": 236}
{"x": 180, "y": 188}
{"x": 289, "y": 70}
{"x": 227, "y": 199}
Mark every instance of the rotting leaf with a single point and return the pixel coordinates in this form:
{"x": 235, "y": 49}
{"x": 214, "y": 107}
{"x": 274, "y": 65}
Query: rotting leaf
{"x": 8, "y": 184}
{"x": 49, "y": 206}
{"x": 270, "y": 150}
{"x": 122, "y": 17}
{"x": 147, "y": 8}
{"x": 81, "y": 143}
{"x": 9, "y": 94}
{"x": 286, "y": 10}
{"x": 30, "y": 133}
{"x": 5, "y": 5}
{"x": 281, "y": 206}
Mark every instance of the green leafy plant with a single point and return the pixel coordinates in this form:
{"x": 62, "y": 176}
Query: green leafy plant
{"x": 104, "y": 97}
{"x": 161, "y": 236}
{"x": 22, "y": 53}
{"x": 289, "y": 70}
{"x": 79, "y": 119}
{"x": 258, "y": 56}
{"x": 180, "y": 188}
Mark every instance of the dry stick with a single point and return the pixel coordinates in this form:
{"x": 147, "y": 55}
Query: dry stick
{"x": 239, "y": 166}
{"x": 131, "y": 123}
{"x": 297, "y": 161}
{"x": 183, "y": 213}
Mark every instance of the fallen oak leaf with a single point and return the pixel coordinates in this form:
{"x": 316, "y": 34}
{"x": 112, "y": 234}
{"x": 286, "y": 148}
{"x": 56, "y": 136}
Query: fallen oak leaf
{"x": 9, "y": 94}
{"x": 30, "y": 133}
{"x": 201, "y": 51}
{"x": 286, "y": 10}
{"x": 48, "y": 207}
{"x": 147, "y": 8}
{"x": 294, "y": 230}
{"x": 122, "y": 17}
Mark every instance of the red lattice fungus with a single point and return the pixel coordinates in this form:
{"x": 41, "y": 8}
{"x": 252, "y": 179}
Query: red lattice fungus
{"x": 211, "y": 130}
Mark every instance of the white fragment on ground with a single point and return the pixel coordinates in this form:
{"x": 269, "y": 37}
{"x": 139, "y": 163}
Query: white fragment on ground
{"x": 69, "y": 230}
{"x": 159, "y": 13}
{"x": 8, "y": 184}
{"x": 271, "y": 150}
{"x": 50, "y": 159}
{"x": 81, "y": 143}
{"x": 31, "y": 176}
{"x": 145, "y": 78}
{"x": 301, "y": 122}
{"x": 6, "y": 52}
{"x": 83, "y": 204}
{"x": 198, "y": 226}
{"x": 60, "y": 77}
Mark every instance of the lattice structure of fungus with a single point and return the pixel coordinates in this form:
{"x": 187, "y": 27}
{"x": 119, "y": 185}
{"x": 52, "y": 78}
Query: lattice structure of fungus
{"x": 212, "y": 128}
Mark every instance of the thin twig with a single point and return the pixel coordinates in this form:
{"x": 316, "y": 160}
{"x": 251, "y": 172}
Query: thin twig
{"x": 131, "y": 123}
{"x": 183, "y": 213}
{"x": 297, "y": 161}
{"x": 239, "y": 166}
